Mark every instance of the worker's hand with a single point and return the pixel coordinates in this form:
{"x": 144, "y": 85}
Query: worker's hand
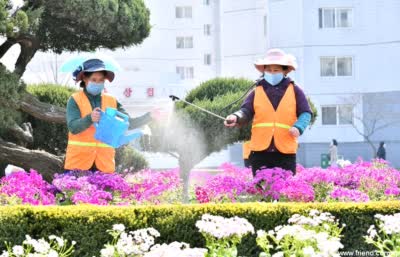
{"x": 294, "y": 131}
{"x": 230, "y": 121}
{"x": 96, "y": 113}
{"x": 156, "y": 114}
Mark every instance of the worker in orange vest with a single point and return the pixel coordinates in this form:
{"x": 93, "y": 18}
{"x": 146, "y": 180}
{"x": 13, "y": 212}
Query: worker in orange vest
{"x": 84, "y": 107}
{"x": 280, "y": 113}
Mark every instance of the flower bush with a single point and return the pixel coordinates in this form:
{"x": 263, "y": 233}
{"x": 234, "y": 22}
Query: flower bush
{"x": 91, "y": 187}
{"x": 55, "y": 247}
{"x": 155, "y": 186}
{"x": 385, "y": 236}
{"x": 131, "y": 244}
{"x": 29, "y": 187}
{"x": 223, "y": 234}
{"x": 317, "y": 234}
{"x": 357, "y": 182}
{"x": 175, "y": 249}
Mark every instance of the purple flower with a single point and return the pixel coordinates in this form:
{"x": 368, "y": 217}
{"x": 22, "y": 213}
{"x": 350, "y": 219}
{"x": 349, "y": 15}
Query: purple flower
{"x": 226, "y": 186}
{"x": 29, "y": 187}
{"x": 151, "y": 186}
{"x": 392, "y": 191}
{"x": 349, "y": 195}
{"x": 296, "y": 190}
{"x": 269, "y": 182}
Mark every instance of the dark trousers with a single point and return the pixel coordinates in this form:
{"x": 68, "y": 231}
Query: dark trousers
{"x": 93, "y": 169}
{"x": 246, "y": 163}
{"x": 260, "y": 160}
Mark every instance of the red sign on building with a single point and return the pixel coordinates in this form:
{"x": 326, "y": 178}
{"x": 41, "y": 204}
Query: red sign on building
{"x": 128, "y": 92}
{"x": 150, "y": 91}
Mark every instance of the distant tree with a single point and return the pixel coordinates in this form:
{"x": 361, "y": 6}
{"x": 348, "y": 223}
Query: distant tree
{"x": 375, "y": 117}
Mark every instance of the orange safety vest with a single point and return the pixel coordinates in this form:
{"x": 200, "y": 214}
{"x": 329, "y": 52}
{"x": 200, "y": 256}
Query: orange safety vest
{"x": 83, "y": 149}
{"x": 246, "y": 150}
{"x": 269, "y": 123}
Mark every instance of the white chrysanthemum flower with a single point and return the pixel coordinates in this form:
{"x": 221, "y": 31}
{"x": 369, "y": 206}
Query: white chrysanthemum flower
{"x": 5, "y": 254}
{"x": 41, "y": 246}
{"x": 390, "y": 224}
{"x": 119, "y": 227}
{"x": 278, "y": 254}
{"x": 18, "y": 250}
{"x": 175, "y": 249}
{"x": 108, "y": 251}
{"x": 372, "y": 232}
{"x": 52, "y": 253}
{"x": 221, "y": 227}
{"x": 59, "y": 240}
{"x": 261, "y": 233}
{"x": 309, "y": 251}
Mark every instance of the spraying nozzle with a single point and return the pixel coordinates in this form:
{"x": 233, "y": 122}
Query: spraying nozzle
{"x": 174, "y": 98}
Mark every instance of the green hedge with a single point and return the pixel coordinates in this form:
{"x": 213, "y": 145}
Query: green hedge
{"x": 87, "y": 224}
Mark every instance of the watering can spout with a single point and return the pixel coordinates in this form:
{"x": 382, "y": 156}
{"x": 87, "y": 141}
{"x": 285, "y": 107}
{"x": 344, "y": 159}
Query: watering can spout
{"x": 129, "y": 136}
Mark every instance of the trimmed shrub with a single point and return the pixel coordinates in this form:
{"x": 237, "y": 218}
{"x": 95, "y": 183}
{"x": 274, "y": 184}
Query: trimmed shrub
{"x": 127, "y": 158}
{"x": 87, "y": 224}
{"x": 49, "y": 136}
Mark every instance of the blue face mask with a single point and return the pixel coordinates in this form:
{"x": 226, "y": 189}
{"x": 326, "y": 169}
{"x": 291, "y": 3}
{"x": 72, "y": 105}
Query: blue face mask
{"x": 273, "y": 79}
{"x": 94, "y": 88}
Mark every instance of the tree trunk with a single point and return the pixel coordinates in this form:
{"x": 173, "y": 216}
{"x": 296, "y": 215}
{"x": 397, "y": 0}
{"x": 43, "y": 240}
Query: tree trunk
{"x": 29, "y": 48}
{"x": 45, "y": 163}
{"x": 43, "y": 111}
{"x": 23, "y": 134}
{"x": 185, "y": 166}
{"x": 373, "y": 148}
{"x": 6, "y": 46}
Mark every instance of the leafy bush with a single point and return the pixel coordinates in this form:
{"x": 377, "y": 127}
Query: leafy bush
{"x": 10, "y": 89}
{"x": 127, "y": 158}
{"x": 48, "y": 136}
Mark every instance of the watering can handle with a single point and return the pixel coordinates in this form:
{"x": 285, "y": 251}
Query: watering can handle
{"x": 122, "y": 115}
{"x": 113, "y": 112}
{"x": 96, "y": 124}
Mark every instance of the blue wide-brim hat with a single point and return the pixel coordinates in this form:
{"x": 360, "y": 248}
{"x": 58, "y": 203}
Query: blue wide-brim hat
{"x": 92, "y": 65}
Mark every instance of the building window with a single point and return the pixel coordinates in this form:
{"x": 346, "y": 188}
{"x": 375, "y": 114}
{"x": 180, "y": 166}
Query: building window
{"x": 207, "y": 29}
{"x": 185, "y": 72}
{"x": 265, "y": 25}
{"x": 207, "y": 59}
{"x": 332, "y": 66}
{"x": 183, "y": 12}
{"x": 184, "y": 42}
{"x": 335, "y": 17}
{"x": 206, "y": 2}
{"x": 337, "y": 115}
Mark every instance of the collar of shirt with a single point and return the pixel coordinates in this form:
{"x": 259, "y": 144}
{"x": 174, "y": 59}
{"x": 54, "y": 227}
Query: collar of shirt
{"x": 95, "y": 100}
